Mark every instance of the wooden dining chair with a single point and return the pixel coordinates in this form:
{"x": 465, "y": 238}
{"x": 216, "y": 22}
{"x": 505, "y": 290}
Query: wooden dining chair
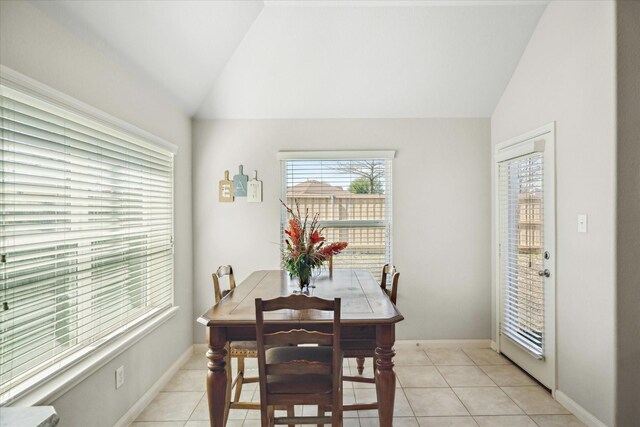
{"x": 392, "y": 293}
{"x": 239, "y": 350}
{"x": 361, "y": 350}
{"x": 291, "y": 374}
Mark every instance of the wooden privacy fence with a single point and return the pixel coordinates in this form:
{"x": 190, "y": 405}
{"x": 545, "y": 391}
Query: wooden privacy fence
{"x": 359, "y": 219}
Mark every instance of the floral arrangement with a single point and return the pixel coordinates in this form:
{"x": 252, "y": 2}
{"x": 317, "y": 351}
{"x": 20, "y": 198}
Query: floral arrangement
{"x": 306, "y": 248}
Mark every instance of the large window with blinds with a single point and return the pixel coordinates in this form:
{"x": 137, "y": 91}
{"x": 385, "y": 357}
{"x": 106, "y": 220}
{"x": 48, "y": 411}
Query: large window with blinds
{"x": 351, "y": 192}
{"x": 86, "y": 236}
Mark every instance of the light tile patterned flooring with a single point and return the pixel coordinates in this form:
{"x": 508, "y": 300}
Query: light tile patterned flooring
{"x": 436, "y": 387}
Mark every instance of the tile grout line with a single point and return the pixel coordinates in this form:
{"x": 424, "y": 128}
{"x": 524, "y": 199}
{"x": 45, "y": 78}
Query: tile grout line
{"x": 195, "y": 407}
{"x": 407, "y": 399}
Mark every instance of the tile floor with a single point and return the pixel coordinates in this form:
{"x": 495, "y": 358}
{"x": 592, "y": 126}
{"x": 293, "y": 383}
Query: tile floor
{"x": 436, "y": 387}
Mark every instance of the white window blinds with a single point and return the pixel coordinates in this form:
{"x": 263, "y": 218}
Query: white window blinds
{"x": 353, "y": 197}
{"x": 85, "y": 236}
{"x": 521, "y": 251}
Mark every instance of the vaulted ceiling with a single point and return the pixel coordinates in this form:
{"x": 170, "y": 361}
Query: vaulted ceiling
{"x": 314, "y": 59}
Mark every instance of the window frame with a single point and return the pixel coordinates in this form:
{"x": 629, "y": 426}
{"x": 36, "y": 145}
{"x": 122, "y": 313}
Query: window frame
{"x": 59, "y": 377}
{"x": 345, "y": 155}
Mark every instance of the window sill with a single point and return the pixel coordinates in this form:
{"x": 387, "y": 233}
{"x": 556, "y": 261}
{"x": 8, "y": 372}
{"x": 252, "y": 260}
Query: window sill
{"x": 59, "y": 384}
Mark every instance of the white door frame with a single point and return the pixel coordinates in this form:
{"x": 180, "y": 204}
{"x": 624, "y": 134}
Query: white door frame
{"x": 550, "y": 190}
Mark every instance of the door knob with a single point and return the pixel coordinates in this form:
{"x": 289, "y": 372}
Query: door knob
{"x": 545, "y": 272}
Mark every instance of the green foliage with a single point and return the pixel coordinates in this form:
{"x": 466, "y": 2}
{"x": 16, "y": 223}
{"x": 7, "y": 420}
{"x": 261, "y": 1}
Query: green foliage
{"x": 363, "y": 186}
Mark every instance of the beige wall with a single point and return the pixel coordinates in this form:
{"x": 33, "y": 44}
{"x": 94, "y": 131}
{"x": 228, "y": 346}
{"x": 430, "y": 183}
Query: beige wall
{"x": 32, "y": 44}
{"x": 628, "y": 215}
{"x": 567, "y": 75}
{"x": 441, "y": 200}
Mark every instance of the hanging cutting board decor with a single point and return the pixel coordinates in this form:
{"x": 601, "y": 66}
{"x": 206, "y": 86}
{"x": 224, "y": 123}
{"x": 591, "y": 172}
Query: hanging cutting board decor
{"x": 225, "y": 189}
{"x": 254, "y": 189}
{"x": 240, "y": 184}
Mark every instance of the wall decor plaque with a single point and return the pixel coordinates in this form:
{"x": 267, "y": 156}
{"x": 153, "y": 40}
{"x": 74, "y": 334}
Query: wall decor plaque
{"x": 240, "y": 183}
{"x": 225, "y": 189}
{"x": 254, "y": 189}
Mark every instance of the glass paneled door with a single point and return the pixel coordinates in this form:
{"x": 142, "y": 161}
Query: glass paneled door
{"x": 525, "y": 233}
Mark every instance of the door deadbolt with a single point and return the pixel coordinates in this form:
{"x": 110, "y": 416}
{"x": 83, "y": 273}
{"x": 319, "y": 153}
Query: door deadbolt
{"x": 545, "y": 272}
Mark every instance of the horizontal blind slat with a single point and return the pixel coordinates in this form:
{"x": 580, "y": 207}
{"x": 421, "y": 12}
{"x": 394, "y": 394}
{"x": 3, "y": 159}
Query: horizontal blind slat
{"x": 59, "y": 170}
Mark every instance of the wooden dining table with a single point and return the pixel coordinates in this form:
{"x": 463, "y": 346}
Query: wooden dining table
{"x": 368, "y": 318}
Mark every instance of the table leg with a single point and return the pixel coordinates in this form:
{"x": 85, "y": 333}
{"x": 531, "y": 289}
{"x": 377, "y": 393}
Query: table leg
{"x": 360, "y": 364}
{"x": 385, "y": 377}
{"x": 217, "y": 375}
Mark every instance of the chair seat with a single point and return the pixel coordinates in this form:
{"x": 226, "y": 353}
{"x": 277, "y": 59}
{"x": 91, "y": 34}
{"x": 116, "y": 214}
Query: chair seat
{"x": 299, "y": 384}
{"x": 243, "y": 346}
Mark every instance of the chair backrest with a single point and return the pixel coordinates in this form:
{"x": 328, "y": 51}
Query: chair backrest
{"x": 277, "y": 336}
{"x": 223, "y": 270}
{"x": 386, "y": 270}
{"x": 393, "y": 294}
{"x": 395, "y": 276}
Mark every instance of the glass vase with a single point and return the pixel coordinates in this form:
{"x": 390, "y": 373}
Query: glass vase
{"x": 304, "y": 278}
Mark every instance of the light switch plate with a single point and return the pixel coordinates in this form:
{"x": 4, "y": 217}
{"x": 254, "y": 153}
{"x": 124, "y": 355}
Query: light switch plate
{"x": 582, "y": 223}
{"x": 119, "y": 377}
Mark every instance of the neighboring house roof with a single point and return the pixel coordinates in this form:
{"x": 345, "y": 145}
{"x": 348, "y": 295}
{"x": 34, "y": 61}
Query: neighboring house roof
{"x": 314, "y": 187}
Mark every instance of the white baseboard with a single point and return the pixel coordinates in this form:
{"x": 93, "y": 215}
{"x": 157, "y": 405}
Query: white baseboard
{"x": 146, "y": 398}
{"x": 494, "y": 346}
{"x": 577, "y": 410}
{"x": 443, "y": 343}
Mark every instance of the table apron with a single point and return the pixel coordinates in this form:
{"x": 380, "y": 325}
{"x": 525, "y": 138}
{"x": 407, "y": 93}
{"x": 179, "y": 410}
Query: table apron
{"x": 348, "y": 332}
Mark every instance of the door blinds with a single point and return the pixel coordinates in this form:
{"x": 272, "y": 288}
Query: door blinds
{"x": 85, "y": 236}
{"x": 521, "y": 251}
{"x": 353, "y": 199}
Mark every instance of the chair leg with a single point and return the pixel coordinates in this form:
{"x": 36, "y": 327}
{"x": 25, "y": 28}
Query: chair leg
{"x": 271, "y": 415}
{"x": 340, "y": 405}
{"x": 374, "y": 366}
{"x": 335, "y": 417}
{"x": 240, "y": 379}
{"x": 360, "y": 363}
{"x": 264, "y": 416}
{"x": 291, "y": 412}
{"x": 227, "y": 402}
{"x": 321, "y": 412}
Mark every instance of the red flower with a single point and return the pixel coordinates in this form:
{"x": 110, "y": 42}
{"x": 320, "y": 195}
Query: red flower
{"x": 295, "y": 231}
{"x": 315, "y": 237}
{"x": 333, "y": 249}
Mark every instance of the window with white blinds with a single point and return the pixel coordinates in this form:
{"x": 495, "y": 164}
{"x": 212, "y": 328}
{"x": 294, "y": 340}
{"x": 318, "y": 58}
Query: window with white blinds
{"x": 86, "y": 240}
{"x": 352, "y": 194}
{"x": 522, "y": 251}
